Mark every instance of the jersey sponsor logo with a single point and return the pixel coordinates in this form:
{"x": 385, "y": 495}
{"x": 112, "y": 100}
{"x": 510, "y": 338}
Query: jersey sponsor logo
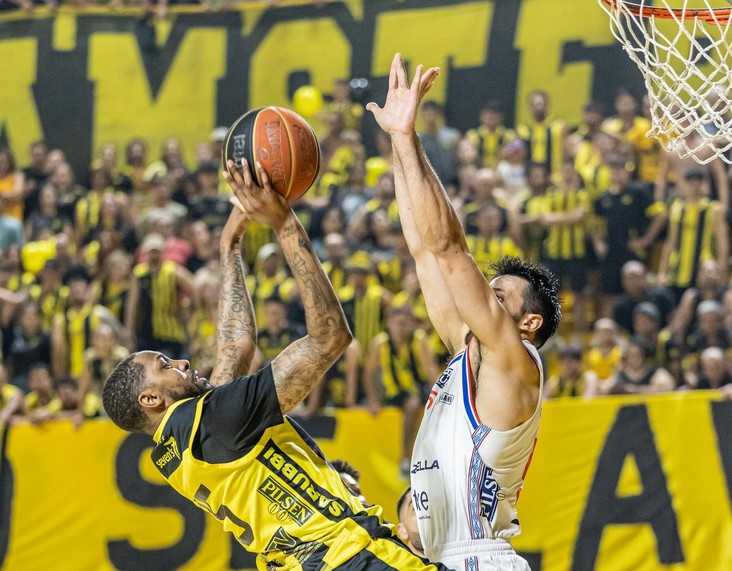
{"x": 283, "y": 504}
{"x": 420, "y": 500}
{"x": 490, "y": 494}
{"x": 281, "y": 541}
{"x": 166, "y": 453}
{"x": 299, "y": 480}
{"x": 445, "y": 398}
{"x": 425, "y": 465}
{"x": 444, "y": 377}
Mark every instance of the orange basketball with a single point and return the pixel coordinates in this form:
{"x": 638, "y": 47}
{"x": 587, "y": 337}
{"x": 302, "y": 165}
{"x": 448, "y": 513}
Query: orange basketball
{"x": 283, "y": 142}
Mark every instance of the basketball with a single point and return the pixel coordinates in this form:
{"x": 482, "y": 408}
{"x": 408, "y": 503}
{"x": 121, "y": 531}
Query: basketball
{"x": 282, "y": 141}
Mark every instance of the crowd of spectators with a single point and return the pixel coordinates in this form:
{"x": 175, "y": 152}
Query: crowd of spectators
{"x": 94, "y": 265}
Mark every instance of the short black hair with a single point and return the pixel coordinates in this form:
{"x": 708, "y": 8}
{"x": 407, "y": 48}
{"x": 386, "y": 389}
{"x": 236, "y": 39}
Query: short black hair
{"x": 343, "y": 467}
{"x": 120, "y": 393}
{"x": 491, "y": 106}
{"x": 540, "y": 296}
{"x": 406, "y": 496}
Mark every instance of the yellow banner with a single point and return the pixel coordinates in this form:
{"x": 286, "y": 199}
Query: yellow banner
{"x": 80, "y": 79}
{"x": 616, "y": 483}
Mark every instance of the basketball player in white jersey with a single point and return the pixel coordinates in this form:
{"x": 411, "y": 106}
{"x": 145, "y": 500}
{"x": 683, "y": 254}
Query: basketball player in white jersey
{"x": 480, "y": 424}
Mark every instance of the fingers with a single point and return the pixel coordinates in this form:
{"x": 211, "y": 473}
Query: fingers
{"x": 417, "y": 81}
{"x": 237, "y": 204}
{"x": 373, "y": 107}
{"x": 402, "y": 80}
{"x": 264, "y": 178}
{"x": 393, "y": 80}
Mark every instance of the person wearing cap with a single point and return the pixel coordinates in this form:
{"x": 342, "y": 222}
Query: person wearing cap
{"x": 572, "y": 380}
{"x": 627, "y": 223}
{"x": 155, "y": 298}
{"x": 491, "y": 136}
{"x": 698, "y": 232}
{"x": 363, "y": 299}
{"x": 667, "y": 353}
{"x": 269, "y": 279}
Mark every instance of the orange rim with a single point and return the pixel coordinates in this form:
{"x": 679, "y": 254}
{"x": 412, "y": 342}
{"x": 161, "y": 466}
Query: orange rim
{"x": 709, "y": 15}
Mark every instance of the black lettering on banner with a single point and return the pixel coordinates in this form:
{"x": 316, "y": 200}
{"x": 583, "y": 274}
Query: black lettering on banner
{"x": 722, "y": 418}
{"x": 134, "y": 488}
{"x": 630, "y": 434}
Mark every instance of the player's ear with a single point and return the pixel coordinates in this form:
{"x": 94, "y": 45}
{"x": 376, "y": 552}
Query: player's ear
{"x": 402, "y": 531}
{"x": 151, "y": 399}
{"x": 532, "y": 322}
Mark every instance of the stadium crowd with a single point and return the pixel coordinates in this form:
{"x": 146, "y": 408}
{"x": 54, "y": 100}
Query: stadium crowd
{"x": 96, "y": 264}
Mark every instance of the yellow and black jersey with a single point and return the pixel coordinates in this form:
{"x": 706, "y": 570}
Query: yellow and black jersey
{"x": 545, "y": 142}
{"x": 233, "y": 454}
{"x": 647, "y": 149}
{"x": 87, "y": 213}
{"x": 364, "y": 313}
{"x": 390, "y": 274}
{"x": 565, "y": 387}
{"x": 487, "y": 251}
{"x": 78, "y": 326}
{"x": 603, "y": 364}
{"x": 534, "y": 234}
{"x": 336, "y": 275}
{"x": 489, "y": 143}
{"x": 565, "y": 241}
{"x": 335, "y": 383}
{"x": 159, "y": 303}
{"x": 272, "y": 344}
{"x": 667, "y": 350}
{"x": 51, "y": 303}
{"x": 262, "y": 288}
{"x": 401, "y": 367}
{"x": 114, "y": 297}
{"x": 256, "y": 236}
{"x": 8, "y": 392}
{"x": 695, "y": 225}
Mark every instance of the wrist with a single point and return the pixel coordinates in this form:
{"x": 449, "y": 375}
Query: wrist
{"x": 288, "y": 220}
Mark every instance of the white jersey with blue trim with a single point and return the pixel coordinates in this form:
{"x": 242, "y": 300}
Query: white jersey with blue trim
{"x": 466, "y": 477}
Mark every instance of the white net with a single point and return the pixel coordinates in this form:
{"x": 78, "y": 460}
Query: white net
{"x": 684, "y": 55}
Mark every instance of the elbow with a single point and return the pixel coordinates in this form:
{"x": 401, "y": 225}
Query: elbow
{"x": 339, "y": 339}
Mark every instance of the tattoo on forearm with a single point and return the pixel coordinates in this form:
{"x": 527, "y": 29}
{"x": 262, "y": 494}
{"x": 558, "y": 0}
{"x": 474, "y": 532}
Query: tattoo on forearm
{"x": 303, "y": 363}
{"x": 236, "y": 330}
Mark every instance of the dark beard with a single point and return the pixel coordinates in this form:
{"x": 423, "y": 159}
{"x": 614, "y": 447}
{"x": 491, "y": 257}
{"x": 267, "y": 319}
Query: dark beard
{"x": 187, "y": 391}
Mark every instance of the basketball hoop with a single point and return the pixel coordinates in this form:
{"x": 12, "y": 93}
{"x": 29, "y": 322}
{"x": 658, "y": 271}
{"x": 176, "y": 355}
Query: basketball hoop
{"x": 685, "y": 57}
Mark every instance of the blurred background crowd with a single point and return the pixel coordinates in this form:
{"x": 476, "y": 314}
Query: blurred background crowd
{"x": 123, "y": 256}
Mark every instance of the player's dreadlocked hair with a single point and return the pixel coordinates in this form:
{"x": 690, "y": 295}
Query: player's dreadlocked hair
{"x": 120, "y": 392}
{"x": 540, "y": 296}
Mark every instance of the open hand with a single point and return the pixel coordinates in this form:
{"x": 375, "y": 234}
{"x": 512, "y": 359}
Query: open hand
{"x": 261, "y": 204}
{"x": 399, "y": 113}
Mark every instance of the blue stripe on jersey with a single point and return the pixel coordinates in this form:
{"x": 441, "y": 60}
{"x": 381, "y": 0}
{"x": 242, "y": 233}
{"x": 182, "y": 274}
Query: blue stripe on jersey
{"x": 466, "y": 392}
{"x": 476, "y": 469}
{"x": 471, "y": 563}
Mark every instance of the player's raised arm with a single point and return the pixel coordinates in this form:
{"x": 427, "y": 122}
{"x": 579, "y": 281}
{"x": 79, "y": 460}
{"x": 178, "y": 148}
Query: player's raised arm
{"x": 439, "y": 227}
{"x": 236, "y": 333}
{"x": 301, "y": 365}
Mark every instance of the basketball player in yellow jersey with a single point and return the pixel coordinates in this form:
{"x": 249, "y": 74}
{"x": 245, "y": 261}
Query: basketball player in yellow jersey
{"x": 226, "y": 446}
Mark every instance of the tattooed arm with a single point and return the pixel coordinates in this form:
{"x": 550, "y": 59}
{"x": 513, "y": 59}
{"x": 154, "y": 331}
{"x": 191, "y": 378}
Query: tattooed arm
{"x": 236, "y": 333}
{"x": 301, "y": 365}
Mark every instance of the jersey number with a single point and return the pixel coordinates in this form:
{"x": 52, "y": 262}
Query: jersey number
{"x": 201, "y": 498}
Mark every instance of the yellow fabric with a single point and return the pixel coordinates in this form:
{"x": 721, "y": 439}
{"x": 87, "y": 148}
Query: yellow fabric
{"x": 87, "y": 467}
{"x": 489, "y": 143}
{"x": 8, "y": 392}
{"x": 487, "y": 251}
{"x": 262, "y": 287}
{"x": 51, "y": 304}
{"x": 546, "y": 143}
{"x": 398, "y": 373}
{"x": 33, "y": 403}
{"x": 367, "y": 314}
{"x": 7, "y": 184}
{"x": 164, "y": 295}
{"x": 565, "y": 241}
{"x": 647, "y": 149}
{"x": 280, "y": 492}
{"x": 603, "y": 365}
{"x": 694, "y": 224}
{"x": 78, "y": 326}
